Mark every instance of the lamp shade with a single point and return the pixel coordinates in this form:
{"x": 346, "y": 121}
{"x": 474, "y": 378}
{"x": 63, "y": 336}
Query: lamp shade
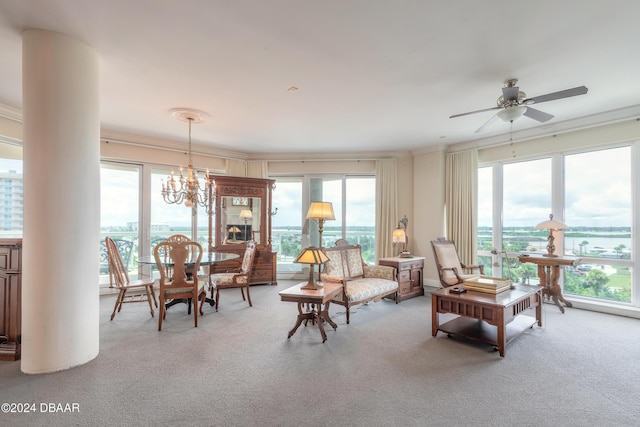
{"x": 321, "y": 210}
{"x": 311, "y": 255}
{"x": 234, "y": 229}
{"x": 552, "y": 224}
{"x": 245, "y": 213}
{"x": 399, "y": 236}
{"x": 512, "y": 113}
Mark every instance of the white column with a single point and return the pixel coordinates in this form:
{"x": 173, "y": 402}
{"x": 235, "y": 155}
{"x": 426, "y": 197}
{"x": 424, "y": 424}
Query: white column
{"x": 60, "y": 297}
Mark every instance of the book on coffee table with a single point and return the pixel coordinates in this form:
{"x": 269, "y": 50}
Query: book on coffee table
{"x": 490, "y": 285}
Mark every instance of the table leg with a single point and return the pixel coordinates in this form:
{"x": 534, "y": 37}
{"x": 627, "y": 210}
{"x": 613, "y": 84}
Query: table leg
{"x": 539, "y": 309}
{"x": 434, "y": 315}
{"x": 324, "y": 314}
{"x": 301, "y": 317}
{"x": 549, "y": 276}
{"x": 324, "y": 335}
{"x": 556, "y": 290}
{"x": 502, "y": 337}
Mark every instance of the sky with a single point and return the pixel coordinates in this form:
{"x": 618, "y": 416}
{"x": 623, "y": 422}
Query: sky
{"x": 597, "y": 190}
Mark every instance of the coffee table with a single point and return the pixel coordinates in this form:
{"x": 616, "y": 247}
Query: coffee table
{"x": 494, "y": 319}
{"x": 310, "y": 304}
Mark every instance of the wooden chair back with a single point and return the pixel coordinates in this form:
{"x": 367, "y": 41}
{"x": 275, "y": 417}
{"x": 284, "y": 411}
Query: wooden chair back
{"x": 128, "y": 291}
{"x": 118, "y": 275}
{"x": 450, "y": 269}
{"x": 181, "y": 256}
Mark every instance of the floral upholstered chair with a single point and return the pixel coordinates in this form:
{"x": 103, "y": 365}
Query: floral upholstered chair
{"x": 236, "y": 279}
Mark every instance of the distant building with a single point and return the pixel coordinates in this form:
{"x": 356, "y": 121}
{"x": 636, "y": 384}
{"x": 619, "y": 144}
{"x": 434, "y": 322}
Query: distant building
{"x": 11, "y": 201}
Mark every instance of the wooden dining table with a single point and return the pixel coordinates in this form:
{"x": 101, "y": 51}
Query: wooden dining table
{"x": 208, "y": 258}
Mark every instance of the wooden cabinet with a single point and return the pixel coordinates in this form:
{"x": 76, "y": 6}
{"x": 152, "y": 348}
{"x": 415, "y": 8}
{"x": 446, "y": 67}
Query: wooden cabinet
{"x": 409, "y": 271}
{"x": 243, "y": 212}
{"x": 10, "y": 298}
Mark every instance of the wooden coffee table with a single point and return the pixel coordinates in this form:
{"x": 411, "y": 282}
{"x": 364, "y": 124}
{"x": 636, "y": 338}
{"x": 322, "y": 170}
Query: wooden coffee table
{"x": 478, "y": 313}
{"x": 312, "y": 304}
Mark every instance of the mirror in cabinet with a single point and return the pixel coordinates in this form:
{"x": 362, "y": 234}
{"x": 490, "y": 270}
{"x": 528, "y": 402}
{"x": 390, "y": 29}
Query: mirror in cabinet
{"x": 243, "y": 212}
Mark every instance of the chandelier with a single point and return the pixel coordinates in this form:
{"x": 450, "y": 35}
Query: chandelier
{"x": 188, "y": 189}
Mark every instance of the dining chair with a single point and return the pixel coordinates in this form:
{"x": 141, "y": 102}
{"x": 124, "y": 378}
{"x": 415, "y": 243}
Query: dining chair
{"x": 450, "y": 270}
{"x": 125, "y": 248}
{"x": 238, "y": 278}
{"x": 181, "y": 255}
{"x": 128, "y": 291}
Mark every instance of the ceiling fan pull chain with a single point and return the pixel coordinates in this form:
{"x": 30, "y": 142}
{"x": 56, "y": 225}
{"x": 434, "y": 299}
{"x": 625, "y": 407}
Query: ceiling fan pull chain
{"x": 513, "y": 150}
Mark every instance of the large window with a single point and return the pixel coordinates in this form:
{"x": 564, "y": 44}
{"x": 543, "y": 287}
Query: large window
{"x": 286, "y": 233}
{"x": 353, "y": 199}
{"x": 598, "y": 208}
{"x": 592, "y": 191}
{"x": 120, "y": 214}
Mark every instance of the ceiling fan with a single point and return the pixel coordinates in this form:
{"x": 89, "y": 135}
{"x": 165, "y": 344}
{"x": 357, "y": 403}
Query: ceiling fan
{"x": 514, "y": 103}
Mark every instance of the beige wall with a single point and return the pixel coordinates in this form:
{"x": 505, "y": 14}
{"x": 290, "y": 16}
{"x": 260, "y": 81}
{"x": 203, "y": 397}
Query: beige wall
{"x": 428, "y": 212}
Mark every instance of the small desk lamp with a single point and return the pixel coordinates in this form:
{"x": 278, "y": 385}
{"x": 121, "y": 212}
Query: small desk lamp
{"x": 311, "y": 256}
{"x": 551, "y": 225}
{"x": 320, "y": 211}
{"x": 400, "y": 237}
{"x": 244, "y": 214}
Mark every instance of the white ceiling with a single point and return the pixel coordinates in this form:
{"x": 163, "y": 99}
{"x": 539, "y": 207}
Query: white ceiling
{"x": 372, "y": 75}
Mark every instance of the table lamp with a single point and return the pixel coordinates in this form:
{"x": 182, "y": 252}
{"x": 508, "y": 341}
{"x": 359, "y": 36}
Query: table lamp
{"x": 400, "y": 238}
{"x": 232, "y": 232}
{"x": 311, "y": 256}
{"x": 320, "y": 211}
{"x": 551, "y": 225}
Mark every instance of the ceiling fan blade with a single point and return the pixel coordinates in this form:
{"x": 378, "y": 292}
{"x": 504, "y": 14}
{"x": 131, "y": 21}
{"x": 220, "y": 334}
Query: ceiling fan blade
{"x": 580, "y": 90}
{"x": 511, "y": 93}
{"x": 473, "y": 112}
{"x": 538, "y": 115}
{"x": 487, "y": 123}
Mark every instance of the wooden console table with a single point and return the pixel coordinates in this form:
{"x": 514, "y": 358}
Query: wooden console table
{"x": 476, "y": 309}
{"x": 549, "y": 273}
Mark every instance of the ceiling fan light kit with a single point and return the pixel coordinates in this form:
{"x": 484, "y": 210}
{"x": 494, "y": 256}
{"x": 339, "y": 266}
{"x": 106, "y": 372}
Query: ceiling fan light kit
{"x": 512, "y": 113}
{"x": 513, "y": 103}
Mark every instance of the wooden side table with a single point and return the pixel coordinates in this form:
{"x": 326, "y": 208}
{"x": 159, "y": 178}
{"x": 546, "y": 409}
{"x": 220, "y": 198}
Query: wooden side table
{"x": 312, "y": 304}
{"x": 549, "y": 273}
{"x": 410, "y": 272}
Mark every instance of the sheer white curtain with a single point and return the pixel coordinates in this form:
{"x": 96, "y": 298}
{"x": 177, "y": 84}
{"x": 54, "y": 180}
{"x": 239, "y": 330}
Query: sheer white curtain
{"x": 386, "y": 206}
{"x": 461, "y": 193}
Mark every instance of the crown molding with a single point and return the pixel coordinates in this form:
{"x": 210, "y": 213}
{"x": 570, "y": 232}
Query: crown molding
{"x": 11, "y": 113}
{"x": 169, "y": 145}
{"x": 581, "y": 123}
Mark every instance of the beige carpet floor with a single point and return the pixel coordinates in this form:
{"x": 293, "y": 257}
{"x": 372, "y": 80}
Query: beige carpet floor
{"x": 384, "y": 369}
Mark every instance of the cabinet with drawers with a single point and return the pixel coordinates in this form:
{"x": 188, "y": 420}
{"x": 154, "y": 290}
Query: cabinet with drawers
{"x": 10, "y": 298}
{"x": 409, "y": 271}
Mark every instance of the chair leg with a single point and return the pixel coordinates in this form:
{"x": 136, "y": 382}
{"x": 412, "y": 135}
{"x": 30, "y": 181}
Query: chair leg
{"x": 203, "y": 297}
{"x": 249, "y": 296}
{"x": 217, "y": 297}
{"x": 118, "y": 305}
{"x": 153, "y": 294}
{"x": 161, "y": 315}
{"x": 242, "y": 292}
{"x": 347, "y": 314}
{"x": 148, "y": 290}
{"x": 195, "y": 309}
